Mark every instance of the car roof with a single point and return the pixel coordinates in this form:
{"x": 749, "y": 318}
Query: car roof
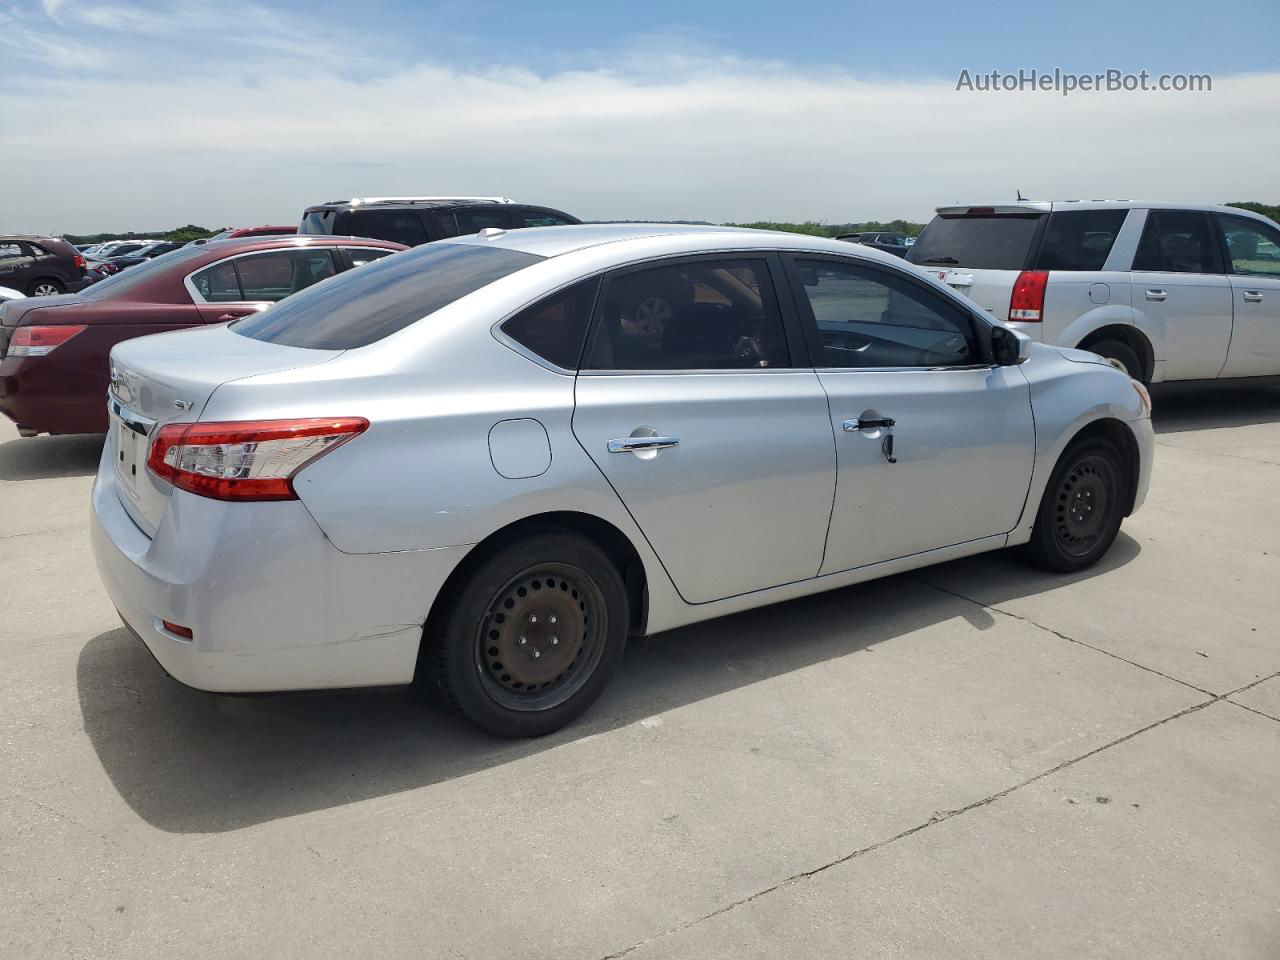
{"x": 411, "y": 202}
{"x": 271, "y": 241}
{"x": 657, "y": 238}
{"x": 1045, "y": 206}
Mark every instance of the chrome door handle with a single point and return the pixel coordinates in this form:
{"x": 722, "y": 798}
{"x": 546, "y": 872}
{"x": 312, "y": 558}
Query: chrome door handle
{"x": 852, "y": 426}
{"x": 632, "y": 444}
{"x": 1157, "y": 295}
{"x": 1253, "y": 296}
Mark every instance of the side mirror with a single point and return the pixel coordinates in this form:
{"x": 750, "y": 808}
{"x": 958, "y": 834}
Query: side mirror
{"x": 1010, "y": 347}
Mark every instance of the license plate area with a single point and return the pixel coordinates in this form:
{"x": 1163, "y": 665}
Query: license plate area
{"x": 132, "y": 441}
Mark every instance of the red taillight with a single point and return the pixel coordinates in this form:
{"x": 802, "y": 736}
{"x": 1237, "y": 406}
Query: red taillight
{"x": 78, "y": 261}
{"x": 245, "y": 459}
{"x": 178, "y": 630}
{"x": 1027, "y": 303}
{"x": 40, "y": 341}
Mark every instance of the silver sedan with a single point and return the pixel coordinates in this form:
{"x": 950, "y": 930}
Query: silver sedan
{"x": 483, "y": 463}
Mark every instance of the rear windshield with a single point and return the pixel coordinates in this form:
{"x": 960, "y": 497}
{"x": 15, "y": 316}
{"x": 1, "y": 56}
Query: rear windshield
{"x": 983, "y": 242}
{"x": 362, "y": 306}
{"x": 122, "y": 283}
{"x": 1079, "y": 239}
{"x": 317, "y": 222}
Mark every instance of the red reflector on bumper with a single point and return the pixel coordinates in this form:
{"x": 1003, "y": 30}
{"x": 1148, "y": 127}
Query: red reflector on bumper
{"x": 177, "y": 630}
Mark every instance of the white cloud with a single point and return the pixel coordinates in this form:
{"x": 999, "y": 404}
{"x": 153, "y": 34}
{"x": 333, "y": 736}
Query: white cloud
{"x": 250, "y": 123}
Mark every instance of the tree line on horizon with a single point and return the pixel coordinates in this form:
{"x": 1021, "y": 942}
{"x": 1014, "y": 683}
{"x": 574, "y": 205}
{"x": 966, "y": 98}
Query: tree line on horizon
{"x": 815, "y": 228}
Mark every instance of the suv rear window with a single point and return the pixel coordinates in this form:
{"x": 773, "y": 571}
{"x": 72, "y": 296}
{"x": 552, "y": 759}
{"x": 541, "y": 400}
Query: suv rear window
{"x": 1079, "y": 239}
{"x": 983, "y": 242}
{"x": 362, "y": 306}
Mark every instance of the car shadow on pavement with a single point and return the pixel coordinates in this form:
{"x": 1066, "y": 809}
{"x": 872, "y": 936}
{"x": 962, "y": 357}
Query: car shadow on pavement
{"x": 192, "y": 762}
{"x": 42, "y": 458}
{"x": 1210, "y": 404}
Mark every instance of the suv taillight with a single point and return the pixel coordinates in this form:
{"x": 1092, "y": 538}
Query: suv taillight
{"x": 1027, "y": 303}
{"x": 78, "y": 262}
{"x": 245, "y": 459}
{"x": 41, "y": 341}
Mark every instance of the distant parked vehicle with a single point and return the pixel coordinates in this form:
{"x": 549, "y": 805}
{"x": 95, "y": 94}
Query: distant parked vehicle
{"x": 888, "y": 242}
{"x": 149, "y": 252}
{"x": 53, "y": 362}
{"x": 484, "y": 463}
{"x": 416, "y": 220}
{"x": 41, "y": 266}
{"x": 1165, "y": 291}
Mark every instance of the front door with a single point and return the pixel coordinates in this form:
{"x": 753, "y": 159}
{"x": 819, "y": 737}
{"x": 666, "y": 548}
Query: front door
{"x": 1254, "y": 252}
{"x": 691, "y": 407}
{"x": 1178, "y": 282}
{"x": 934, "y": 445}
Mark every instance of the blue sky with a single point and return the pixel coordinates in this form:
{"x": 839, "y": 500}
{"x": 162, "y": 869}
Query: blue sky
{"x": 146, "y": 114}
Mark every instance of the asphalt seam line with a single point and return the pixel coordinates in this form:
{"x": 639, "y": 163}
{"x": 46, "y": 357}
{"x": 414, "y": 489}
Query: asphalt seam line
{"x": 1215, "y": 453}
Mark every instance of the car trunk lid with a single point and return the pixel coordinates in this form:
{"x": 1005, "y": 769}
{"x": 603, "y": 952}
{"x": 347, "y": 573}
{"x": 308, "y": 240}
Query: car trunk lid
{"x": 166, "y": 379}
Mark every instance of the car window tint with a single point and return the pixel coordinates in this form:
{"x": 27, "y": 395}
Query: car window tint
{"x": 399, "y": 226}
{"x": 218, "y": 283}
{"x": 282, "y": 273}
{"x": 316, "y": 222}
{"x": 702, "y": 315}
{"x": 875, "y": 318}
{"x": 473, "y": 221}
{"x": 980, "y": 241}
{"x": 1254, "y": 247}
{"x": 361, "y": 256}
{"x": 554, "y": 328}
{"x": 1177, "y": 241}
{"x": 1079, "y": 239}
{"x": 539, "y": 218}
{"x": 361, "y": 306}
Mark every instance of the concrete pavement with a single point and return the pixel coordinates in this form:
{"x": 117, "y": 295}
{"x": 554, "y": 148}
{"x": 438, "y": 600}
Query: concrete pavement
{"x": 977, "y": 760}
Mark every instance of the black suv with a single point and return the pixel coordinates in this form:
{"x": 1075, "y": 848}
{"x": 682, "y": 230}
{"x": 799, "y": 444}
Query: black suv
{"x": 415, "y": 220}
{"x": 41, "y": 266}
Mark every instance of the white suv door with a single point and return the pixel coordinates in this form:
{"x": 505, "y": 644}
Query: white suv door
{"x": 1179, "y": 283}
{"x": 934, "y": 445}
{"x": 1254, "y": 251}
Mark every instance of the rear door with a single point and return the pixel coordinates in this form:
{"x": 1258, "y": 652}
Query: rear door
{"x": 981, "y": 250}
{"x": 934, "y": 444}
{"x": 1253, "y": 252}
{"x": 1178, "y": 281}
{"x": 241, "y": 285}
{"x": 696, "y": 404}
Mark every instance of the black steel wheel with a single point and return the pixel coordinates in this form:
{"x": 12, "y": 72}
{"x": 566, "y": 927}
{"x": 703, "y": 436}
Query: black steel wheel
{"x": 531, "y": 636}
{"x": 1082, "y": 507}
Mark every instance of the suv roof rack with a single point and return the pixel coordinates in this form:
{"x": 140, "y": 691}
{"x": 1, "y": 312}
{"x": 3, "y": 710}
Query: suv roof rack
{"x": 362, "y": 200}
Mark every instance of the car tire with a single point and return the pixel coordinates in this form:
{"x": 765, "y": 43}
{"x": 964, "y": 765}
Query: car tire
{"x": 531, "y": 637}
{"x": 1122, "y": 356}
{"x": 1082, "y": 506}
{"x": 45, "y": 287}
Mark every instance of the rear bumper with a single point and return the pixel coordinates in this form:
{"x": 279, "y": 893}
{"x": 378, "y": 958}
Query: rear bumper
{"x": 272, "y": 605}
{"x": 51, "y": 397}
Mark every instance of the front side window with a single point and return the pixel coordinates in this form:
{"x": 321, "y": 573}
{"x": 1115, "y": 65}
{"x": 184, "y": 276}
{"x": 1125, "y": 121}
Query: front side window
{"x": 398, "y": 226}
{"x": 1079, "y": 239}
{"x": 1177, "y": 241}
{"x": 555, "y": 327}
{"x": 359, "y": 307}
{"x": 1253, "y": 247}
{"x": 700, "y": 315}
{"x": 875, "y": 318}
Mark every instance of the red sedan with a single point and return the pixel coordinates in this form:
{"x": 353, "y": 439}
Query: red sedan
{"x": 55, "y": 351}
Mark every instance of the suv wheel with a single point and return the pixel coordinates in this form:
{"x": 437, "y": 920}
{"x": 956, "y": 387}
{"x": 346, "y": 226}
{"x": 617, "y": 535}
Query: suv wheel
{"x": 1121, "y": 356}
{"x": 532, "y": 637}
{"x": 45, "y": 287}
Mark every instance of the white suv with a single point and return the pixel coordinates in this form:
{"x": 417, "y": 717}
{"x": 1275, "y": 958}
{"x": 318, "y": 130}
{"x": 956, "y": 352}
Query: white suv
{"x": 1165, "y": 291}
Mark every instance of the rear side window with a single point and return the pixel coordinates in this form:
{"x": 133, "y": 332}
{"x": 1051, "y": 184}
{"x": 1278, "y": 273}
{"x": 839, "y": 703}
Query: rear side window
{"x": 701, "y": 315}
{"x": 399, "y": 226}
{"x": 9, "y": 251}
{"x": 264, "y": 276}
{"x": 526, "y": 217}
{"x": 362, "y": 306}
{"x": 474, "y": 220}
{"x": 1079, "y": 239}
{"x": 362, "y": 255}
{"x": 1178, "y": 241}
{"x": 555, "y": 327}
{"x": 983, "y": 242}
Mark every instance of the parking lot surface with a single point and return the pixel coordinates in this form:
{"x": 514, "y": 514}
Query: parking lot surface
{"x": 975, "y": 760}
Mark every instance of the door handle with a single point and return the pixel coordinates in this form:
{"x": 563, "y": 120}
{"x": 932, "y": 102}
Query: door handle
{"x": 886, "y": 423}
{"x": 632, "y": 444}
{"x": 1253, "y": 296}
{"x": 1157, "y": 295}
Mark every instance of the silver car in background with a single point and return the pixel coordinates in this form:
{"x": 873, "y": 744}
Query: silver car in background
{"x": 482, "y": 463}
